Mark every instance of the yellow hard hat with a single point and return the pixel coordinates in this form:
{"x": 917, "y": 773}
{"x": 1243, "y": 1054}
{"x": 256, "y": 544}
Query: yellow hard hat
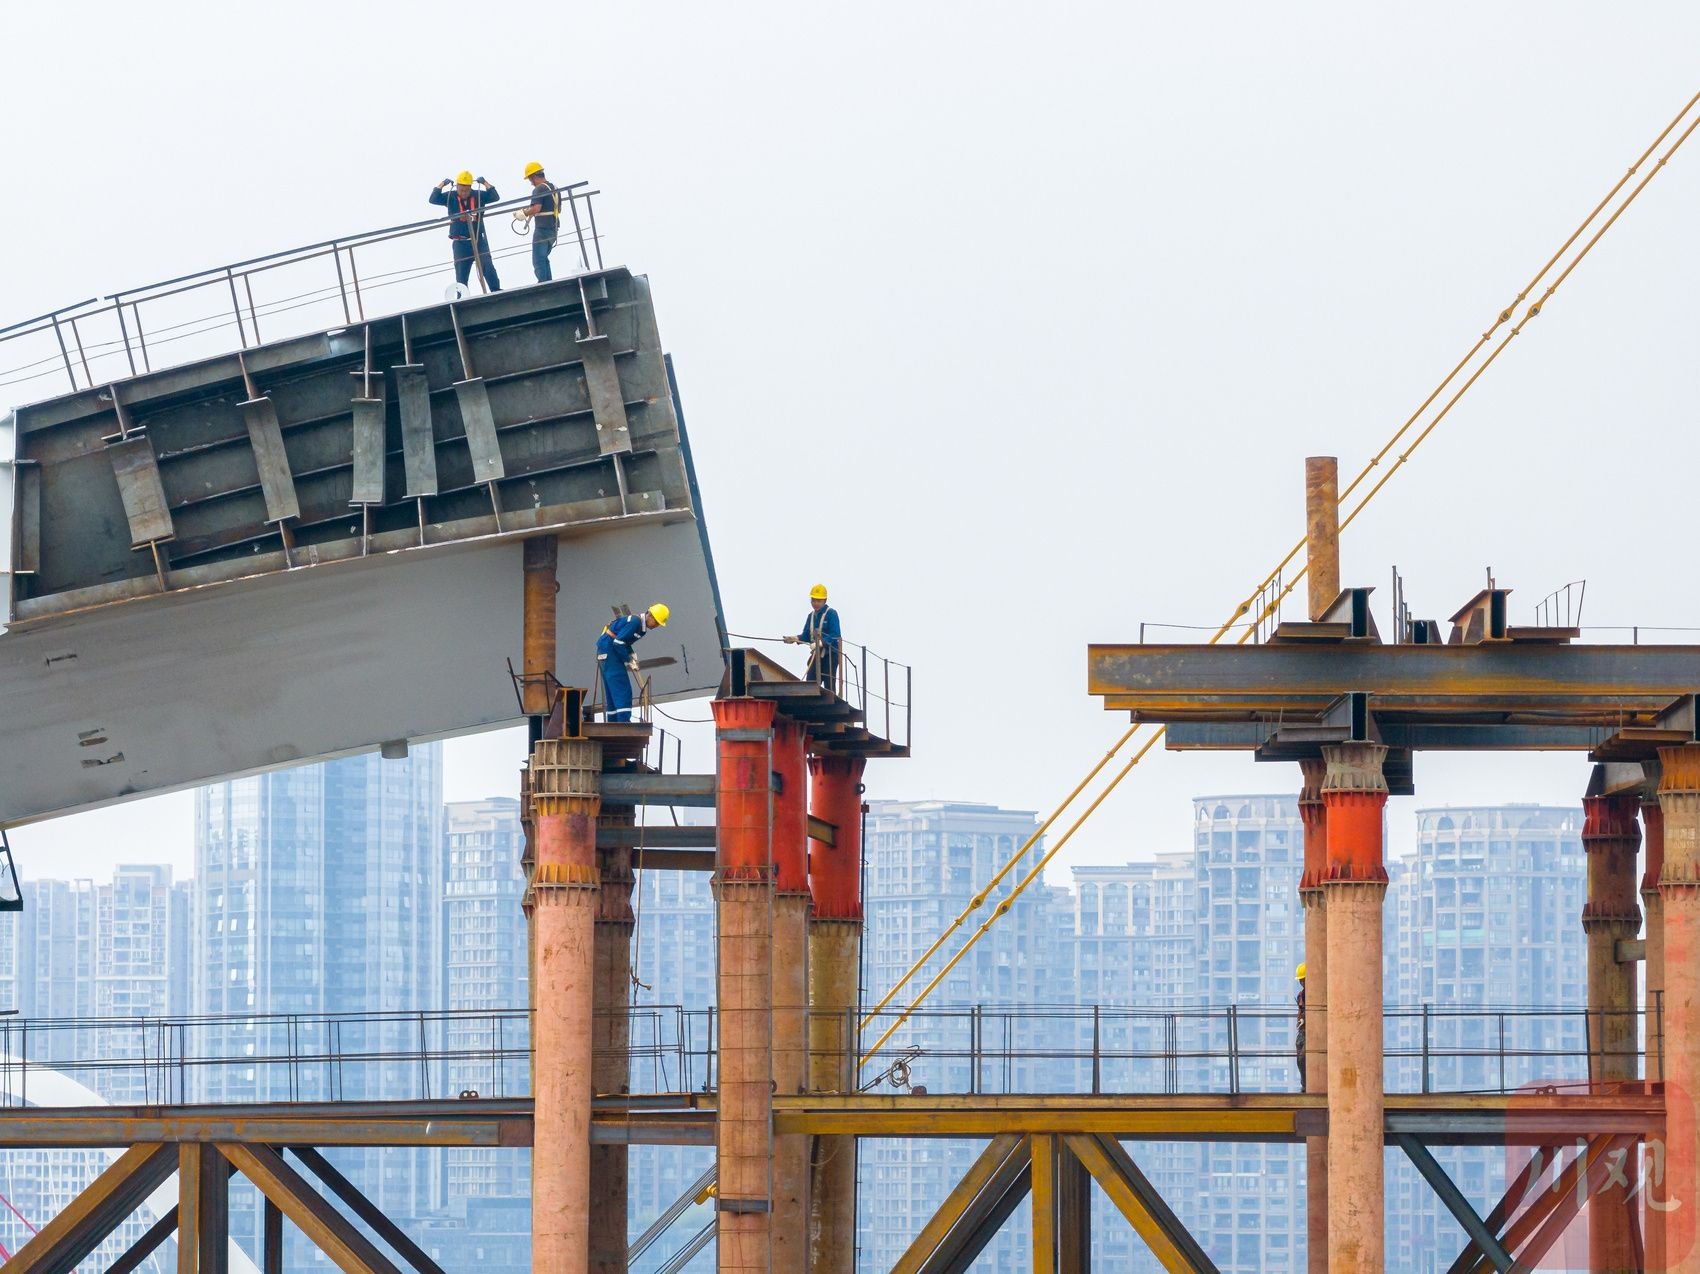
{"x": 1299, "y": 972}
{"x": 533, "y": 168}
{"x": 465, "y": 178}
{"x": 818, "y": 593}
{"x": 660, "y": 612}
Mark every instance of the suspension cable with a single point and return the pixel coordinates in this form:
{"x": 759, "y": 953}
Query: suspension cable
{"x": 1503, "y": 317}
{"x": 1273, "y": 605}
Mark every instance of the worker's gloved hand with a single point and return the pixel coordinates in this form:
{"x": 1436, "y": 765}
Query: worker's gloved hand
{"x": 446, "y": 181}
{"x": 632, "y": 664}
{"x": 790, "y": 640}
{"x": 482, "y": 182}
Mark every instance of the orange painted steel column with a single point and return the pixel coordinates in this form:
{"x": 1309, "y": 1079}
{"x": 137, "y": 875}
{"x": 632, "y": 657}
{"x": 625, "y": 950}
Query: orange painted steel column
{"x": 1322, "y": 533}
{"x": 835, "y": 960}
{"x": 1610, "y": 838}
{"x": 743, "y": 1126}
{"x": 539, "y": 649}
{"x": 565, "y": 801}
{"x": 1679, "y": 888}
{"x": 611, "y": 1041}
{"x": 1314, "y": 815}
{"x": 1355, "y": 882}
{"x": 791, "y": 908}
{"x": 1653, "y": 822}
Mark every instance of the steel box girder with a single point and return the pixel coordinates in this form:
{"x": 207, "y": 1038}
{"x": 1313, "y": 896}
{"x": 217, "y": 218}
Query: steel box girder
{"x": 1155, "y": 680}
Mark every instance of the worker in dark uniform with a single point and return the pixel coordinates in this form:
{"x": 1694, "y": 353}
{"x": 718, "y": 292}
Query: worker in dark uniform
{"x": 823, "y": 637}
{"x": 466, "y": 221}
{"x": 614, "y": 657}
{"x": 1299, "y": 1034}
{"x": 544, "y": 214}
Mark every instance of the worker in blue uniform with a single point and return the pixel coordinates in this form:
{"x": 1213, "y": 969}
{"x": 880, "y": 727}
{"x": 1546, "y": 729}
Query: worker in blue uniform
{"x": 824, "y": 639}
{"x": 614, "y": 657}
{"x": 466, "y": 224}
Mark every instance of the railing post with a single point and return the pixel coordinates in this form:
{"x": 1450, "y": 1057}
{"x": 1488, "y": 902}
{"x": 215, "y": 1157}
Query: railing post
{"x": 341, "y": 287}
{"x": 236, "y": 309}
{"x": 1233, "y": 1049}
{"x": 1097, "y": 1057}
{"x": 64, "y": 354}
{"x": 124, "y": 332}
{"x": 974, "y": 1049}
{"x": 1501, "y": 1017}
{"x": 1425, "y": 1046}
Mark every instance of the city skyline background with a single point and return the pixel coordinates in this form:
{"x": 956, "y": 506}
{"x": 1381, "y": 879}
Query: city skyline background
{"x": 355, "y": 888}
{"x": 1152, "y": 256}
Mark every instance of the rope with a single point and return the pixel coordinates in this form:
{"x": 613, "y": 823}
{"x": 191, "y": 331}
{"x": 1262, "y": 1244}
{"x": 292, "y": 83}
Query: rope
{"x": 1503, "y": 317}
{"x": 1273, "y": 605}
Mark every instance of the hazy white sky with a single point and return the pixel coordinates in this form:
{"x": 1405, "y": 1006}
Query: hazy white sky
{"x": 1011, "y": 323}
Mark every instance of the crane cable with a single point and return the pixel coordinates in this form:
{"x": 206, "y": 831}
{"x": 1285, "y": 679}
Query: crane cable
{"x": 1271, "y": 606}
{"x": 1504, "y": 317}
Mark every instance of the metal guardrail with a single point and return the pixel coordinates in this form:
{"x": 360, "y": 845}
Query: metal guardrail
{"x": 947, "y": 1050}
{"x": 313, "y": 288}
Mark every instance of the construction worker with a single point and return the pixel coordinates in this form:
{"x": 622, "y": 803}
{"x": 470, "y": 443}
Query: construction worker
{"x": 1299, "y": 1033}
{"x": 824, "y": 639}
{"x": 614, "y": 657}
{"x": 544, "y": 214}
{"x": 466, "y": 221}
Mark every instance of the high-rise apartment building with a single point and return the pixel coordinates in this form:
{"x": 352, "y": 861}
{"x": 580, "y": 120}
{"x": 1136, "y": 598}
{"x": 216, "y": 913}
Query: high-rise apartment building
{"x": 1489, "y": 936}
{"x": 486, "y": 963}
{"x": 320, "y": 890}
{"x": 1248, "y": 1204}
{"x": 925, "y": 861}
{"x": 114, "y": 956}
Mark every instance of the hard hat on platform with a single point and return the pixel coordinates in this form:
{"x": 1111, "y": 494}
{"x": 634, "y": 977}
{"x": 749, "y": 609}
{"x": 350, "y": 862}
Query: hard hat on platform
{"x": 818, "y": 593}
{"x": 465, "y": 178}
{"x": 659, "y": 613}
{"x": 533, "y": 168}
{"x": 1299, "y": 972}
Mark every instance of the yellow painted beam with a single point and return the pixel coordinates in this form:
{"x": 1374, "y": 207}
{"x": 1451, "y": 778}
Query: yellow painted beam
{"x": 135, "y": 1173}
{"x": 979, "y": 1174}
{"x": 1044, "y": 1192}
{"x": 189, "y": 1208}
{"x": 1128, "y": 1204}
{"x": 989, "y": 1123}
{"x": 326, "y": 1228}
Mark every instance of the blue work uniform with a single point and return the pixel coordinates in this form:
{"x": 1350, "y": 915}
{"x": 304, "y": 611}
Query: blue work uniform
{"x": 613, "y": 652}
{"x": 466, "y": 215}
{"x": 820, "y": 631}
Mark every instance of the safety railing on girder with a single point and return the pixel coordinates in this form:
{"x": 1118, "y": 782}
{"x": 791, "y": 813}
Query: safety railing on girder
{"x": 967, "y": 1049}
{"x": 312, "y": 288}
{"x": 877, "y": 686}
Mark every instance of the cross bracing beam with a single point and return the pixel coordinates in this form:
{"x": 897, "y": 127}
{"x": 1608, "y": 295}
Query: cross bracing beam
{"x": 1454, "y": 1200}
{"x": 330, "y": 1232}
{"x": 99, "y": 1209}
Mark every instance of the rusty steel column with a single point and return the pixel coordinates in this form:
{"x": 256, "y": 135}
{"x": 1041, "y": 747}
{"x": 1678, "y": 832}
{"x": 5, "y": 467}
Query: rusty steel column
{"x": 1610, "y": 839}
{"x": 743, "y": 1126}
{"x": 611, "y": 1041}
{"x": 1355, "y": 882}
{"x": 1653, "y": 823}
{"x": 1322, "y": 532}
{"x": 539, "y": 649}
{"x": 565, "y": 801}
{"x": 835, "y": 959}
{"x": 1679, "y": 889}
{"x": 1311, "y": 896}
{"x": 790, "y": 988}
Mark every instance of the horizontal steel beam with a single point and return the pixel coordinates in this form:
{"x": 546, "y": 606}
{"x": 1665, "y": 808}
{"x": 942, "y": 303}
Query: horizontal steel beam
{"x": 1418, "y": 736}
{"x": 1652, "y": 675}
{"x": 467, "y": 1123}
{"x": 693, "y": 790}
